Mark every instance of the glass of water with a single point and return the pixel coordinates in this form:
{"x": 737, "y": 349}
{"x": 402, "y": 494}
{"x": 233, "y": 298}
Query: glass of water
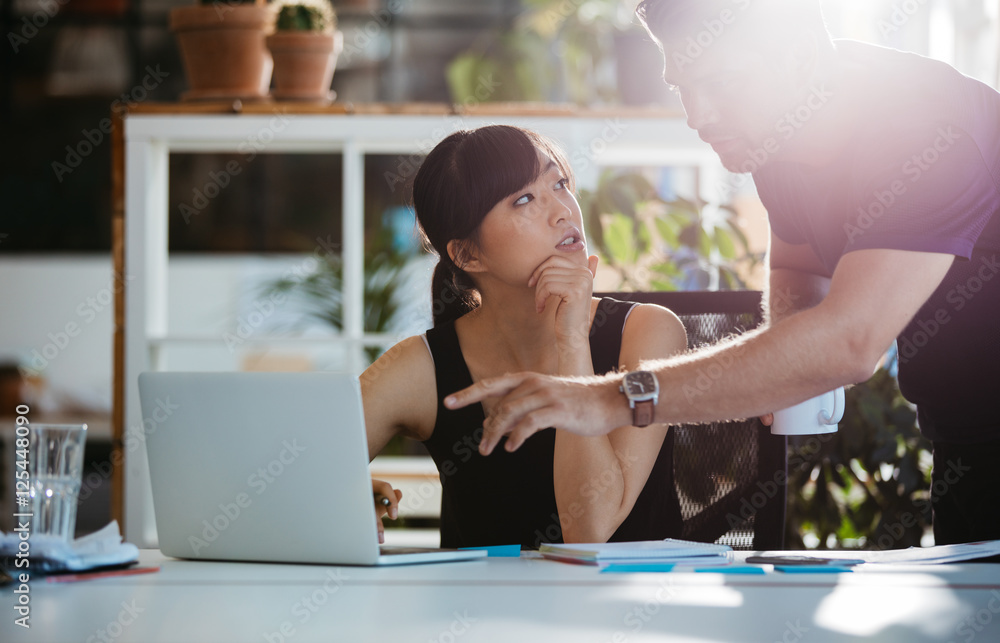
{"x": 55, "y": 466}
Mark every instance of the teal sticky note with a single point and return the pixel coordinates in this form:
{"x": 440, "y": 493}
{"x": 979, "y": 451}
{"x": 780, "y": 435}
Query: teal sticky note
{"x": 812, "y": 569}
{"x": 732, "y": 569}
{"x": 500, "y": 551}
{"x": 629, "y": 568}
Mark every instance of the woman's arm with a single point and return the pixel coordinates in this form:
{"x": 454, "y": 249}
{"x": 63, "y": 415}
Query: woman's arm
{"x": 598, "y": 479}
{"x": 399, "y": 392}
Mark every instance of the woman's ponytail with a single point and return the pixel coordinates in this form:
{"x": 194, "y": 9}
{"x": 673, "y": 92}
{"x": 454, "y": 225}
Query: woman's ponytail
{"x": 450, "y": 296}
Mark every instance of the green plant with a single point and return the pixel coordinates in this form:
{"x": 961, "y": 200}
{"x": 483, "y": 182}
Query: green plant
{"x": 555, "y": 51}
{"x": 653, "y": 244}
{"x": 321, "y": 289}
{"x": 305, "y": 15}
{"x": 867, "y": 485}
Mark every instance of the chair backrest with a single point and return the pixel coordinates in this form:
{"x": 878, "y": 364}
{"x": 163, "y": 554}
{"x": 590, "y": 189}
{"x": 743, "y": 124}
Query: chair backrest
{"x": 730, "y": 476}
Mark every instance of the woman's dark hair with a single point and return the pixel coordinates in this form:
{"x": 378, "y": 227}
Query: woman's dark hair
{"x": 459, "y": 182}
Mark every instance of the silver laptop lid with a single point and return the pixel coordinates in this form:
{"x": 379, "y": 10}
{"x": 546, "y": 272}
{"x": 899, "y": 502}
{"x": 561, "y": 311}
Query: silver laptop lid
{"x": 260, "y": 467}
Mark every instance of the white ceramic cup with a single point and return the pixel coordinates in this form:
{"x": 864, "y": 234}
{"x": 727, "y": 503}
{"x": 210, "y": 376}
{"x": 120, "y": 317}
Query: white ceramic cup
{"x": 817, "y": 415}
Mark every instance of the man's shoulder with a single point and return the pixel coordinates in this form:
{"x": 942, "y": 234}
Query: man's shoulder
{"x": 908, "y": 91}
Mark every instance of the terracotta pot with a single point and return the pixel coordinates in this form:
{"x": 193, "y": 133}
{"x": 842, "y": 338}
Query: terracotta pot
{"x": 223, "y": 49}
{"x": 303, "y": 63}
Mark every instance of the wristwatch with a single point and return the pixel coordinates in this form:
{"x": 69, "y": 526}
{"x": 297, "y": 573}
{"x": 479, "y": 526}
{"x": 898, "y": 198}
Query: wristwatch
{"x": 643, "y": 391}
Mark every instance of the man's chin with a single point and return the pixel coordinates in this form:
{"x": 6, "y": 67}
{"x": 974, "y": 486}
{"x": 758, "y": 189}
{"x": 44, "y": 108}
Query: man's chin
{"x": 738, "y": 160}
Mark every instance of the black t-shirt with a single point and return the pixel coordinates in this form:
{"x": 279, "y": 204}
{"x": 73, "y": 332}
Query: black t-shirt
{"x": 922, "y": 173}
{"x": 509, "y": 498}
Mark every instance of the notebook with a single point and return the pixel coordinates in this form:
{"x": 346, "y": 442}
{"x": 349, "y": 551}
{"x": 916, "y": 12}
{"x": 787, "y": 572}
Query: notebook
{"x": 265, "y": 467}
{"x": 669, "y": 550}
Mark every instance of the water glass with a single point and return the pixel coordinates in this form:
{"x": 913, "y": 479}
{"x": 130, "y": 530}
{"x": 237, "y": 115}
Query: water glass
{"x": 55, "y": 466}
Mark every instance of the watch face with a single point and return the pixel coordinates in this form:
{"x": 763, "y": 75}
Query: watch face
{"x": 640, "y": 383}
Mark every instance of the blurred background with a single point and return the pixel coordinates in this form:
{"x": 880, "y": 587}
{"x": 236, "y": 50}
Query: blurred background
{"x": 66, "y": 65}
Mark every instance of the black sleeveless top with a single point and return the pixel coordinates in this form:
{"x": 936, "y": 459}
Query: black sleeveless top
{"x": 509, "y": 498}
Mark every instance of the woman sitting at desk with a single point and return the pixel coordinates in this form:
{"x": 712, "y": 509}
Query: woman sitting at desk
{"x": 512, "y": 291}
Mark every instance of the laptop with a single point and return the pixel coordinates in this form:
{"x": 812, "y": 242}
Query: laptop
{"x": 269, "y": 467}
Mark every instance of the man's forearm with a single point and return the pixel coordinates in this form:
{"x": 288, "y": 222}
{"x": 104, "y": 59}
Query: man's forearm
{"x": 787, "y": 362}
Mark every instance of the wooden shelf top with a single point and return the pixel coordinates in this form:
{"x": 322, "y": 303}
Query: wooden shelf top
{"x": 410, "y": 109}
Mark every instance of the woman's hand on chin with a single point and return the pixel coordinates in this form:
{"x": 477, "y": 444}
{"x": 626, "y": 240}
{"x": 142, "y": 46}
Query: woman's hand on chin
{"x": 564, "y": 283}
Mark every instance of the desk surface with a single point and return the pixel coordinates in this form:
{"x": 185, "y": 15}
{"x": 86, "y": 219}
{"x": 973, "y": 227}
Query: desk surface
{"x": 522, "y": 600}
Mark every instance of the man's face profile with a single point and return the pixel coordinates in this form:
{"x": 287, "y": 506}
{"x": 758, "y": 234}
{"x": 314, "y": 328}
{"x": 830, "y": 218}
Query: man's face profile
{"x": 736, "y": 91}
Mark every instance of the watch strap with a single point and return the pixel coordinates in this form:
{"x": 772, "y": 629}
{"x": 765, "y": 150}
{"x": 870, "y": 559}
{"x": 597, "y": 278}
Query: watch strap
{"x": 642, "y": 413}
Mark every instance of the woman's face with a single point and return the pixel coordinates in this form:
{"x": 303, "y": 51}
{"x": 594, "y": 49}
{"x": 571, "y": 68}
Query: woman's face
{"x": 529, "y": 226}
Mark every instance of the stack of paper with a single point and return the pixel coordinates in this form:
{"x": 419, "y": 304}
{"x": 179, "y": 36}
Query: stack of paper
{"x": 678, "y": 552}
{"x": 913, "y": 555}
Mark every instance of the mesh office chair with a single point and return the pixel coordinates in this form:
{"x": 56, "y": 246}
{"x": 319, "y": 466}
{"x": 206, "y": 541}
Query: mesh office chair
{"x": 730, "y": 476}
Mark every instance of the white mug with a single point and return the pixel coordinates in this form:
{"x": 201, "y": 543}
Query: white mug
{"x": 817, "y": 415}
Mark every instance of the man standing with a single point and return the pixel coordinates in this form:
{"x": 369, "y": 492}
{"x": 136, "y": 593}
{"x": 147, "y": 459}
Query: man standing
{"x": 880, "y": 171}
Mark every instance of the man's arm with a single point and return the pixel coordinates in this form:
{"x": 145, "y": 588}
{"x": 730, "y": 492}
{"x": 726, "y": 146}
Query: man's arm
{"x": 796, "y": 280}
{"x": 873, "y": 295}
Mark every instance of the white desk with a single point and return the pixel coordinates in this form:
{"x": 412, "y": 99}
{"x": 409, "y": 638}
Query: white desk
{"x": 510, "y": 600}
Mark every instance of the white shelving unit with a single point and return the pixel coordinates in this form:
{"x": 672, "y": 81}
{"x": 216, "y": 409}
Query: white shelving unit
{"x": 591, "y": 140}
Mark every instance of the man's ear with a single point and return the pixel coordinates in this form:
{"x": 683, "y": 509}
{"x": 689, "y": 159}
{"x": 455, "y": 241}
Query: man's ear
{"x": 464, "y": 255}
{"x": 803, "y": 58}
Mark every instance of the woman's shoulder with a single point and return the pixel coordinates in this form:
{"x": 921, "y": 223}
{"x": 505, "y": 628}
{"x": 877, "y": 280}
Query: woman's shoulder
{"x": 647, "y": 321}
{"x": 640, "y": 314}
{"x": 408, "y": 357}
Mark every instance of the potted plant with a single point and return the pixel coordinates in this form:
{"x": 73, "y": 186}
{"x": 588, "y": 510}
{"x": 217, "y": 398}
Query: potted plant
{"x": 222, "y": 45}
{"x": 304, "y": 46}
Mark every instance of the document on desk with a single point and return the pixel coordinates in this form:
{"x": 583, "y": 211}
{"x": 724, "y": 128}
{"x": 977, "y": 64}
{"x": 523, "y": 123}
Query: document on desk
{"x": 913, "y": 555}
{"x": 680, "y": 552}
{"x": 938, "y": 553}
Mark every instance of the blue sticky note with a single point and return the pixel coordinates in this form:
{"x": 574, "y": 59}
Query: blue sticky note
{"x": 629, "y": 568}
{"x": 733, "y": 569}
{"x": 500, "y": 551}
{"x": 812, "y": 569}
